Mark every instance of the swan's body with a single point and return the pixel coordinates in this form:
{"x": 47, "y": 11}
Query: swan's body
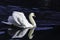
{"x": 19, "y": 19}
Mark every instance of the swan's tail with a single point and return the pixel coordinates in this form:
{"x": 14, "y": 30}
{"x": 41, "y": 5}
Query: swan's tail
{"x": 8, "y": 23}
{"x": 10, "y": 19}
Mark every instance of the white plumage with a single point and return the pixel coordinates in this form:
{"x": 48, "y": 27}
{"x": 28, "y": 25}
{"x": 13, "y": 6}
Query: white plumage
{"x": 18, "y": 19}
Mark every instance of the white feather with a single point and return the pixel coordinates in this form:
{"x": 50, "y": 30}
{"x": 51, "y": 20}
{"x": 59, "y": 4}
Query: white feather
{"x": 18, "y": 19}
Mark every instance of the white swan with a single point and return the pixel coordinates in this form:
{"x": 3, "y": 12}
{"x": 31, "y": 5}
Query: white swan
{"x": 19, "y": 19}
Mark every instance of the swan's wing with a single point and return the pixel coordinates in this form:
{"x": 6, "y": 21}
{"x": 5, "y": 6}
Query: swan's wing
{"x": 16, "y": 17}
{"x": 12, "y": 20}
{"x": 19, "y": 17}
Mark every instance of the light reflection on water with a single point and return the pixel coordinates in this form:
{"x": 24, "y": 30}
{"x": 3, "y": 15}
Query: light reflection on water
{"x": 38, "y": 28}
{"x": 43, "y": 28}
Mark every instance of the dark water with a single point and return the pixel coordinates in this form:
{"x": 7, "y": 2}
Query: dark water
{"x": 44, "y": 18}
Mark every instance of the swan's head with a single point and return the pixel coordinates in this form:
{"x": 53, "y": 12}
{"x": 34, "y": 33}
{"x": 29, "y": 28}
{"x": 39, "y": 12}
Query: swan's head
{"x": 32, "y": 14}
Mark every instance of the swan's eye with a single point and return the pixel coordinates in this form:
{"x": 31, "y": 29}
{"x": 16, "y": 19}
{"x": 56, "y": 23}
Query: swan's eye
{"x": 34, "y": 17}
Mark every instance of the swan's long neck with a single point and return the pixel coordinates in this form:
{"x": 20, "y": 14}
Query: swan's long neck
{"x": 32, "y": 20}
{"x": 30, "y": 34}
